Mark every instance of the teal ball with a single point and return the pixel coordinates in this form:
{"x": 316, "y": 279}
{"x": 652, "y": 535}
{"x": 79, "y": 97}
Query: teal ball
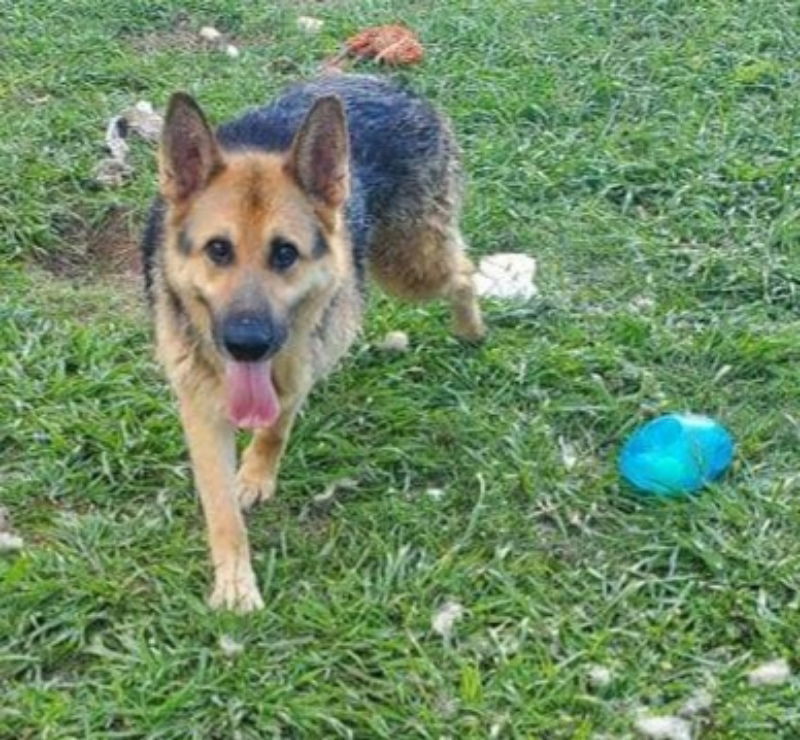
{"x": 676, "y": 454}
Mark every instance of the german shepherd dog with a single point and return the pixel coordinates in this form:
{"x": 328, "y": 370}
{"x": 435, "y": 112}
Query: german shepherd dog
{"x": 255, "y": 253}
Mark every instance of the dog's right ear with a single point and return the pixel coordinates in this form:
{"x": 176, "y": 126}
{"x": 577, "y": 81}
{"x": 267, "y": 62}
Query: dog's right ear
{"x": 189, "y": 155}
{"x": 319, "y": 158}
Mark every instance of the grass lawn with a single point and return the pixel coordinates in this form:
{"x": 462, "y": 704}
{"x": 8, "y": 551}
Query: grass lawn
{"x": 646, "y": 153}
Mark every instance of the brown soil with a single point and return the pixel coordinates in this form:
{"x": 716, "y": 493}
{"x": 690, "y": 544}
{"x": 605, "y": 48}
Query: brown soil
{"x": 184, "y": 35}
{"x": 107, "y": 247}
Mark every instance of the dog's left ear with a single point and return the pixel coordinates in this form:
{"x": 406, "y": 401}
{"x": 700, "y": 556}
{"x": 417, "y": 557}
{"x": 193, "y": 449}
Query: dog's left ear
{"x": 319, "y": 158}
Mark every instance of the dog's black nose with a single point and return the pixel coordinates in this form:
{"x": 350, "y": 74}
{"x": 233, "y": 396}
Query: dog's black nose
{"x": 250, "y": 338}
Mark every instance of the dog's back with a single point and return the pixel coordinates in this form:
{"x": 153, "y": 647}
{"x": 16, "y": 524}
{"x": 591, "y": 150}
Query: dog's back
{"x": 403, "y": 155}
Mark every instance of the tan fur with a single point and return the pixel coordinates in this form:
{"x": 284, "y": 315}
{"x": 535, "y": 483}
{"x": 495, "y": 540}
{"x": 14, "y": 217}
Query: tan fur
{"x": 428, "y": 261}
{"x": 249, "y": 198}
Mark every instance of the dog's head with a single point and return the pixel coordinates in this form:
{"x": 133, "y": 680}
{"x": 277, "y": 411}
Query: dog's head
{"x": 252, "y": 239}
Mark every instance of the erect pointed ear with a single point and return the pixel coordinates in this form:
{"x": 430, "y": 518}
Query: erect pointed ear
{"x": 319, "y": 159}
{"x": 189, "y": 154}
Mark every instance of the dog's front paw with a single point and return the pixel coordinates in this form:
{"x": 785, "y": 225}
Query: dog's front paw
{"x": 251, "y": 491}
{"x": 236, "y": 591}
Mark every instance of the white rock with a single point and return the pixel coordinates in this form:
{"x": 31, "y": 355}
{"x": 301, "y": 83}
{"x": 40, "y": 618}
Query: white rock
{"x": 568, "y": 455}
{"x": 209, "y": 33}
{"x": 232, "y": 51}
{"x": 664, "y": 728}
{"x": 229, "y": 647}
{"x": 699, "y": 702}
{"x": 506, "y": 275}
{"x": 394, "y": 341}
{"x": 642, "y": 303}
{"x": 307, "y": 24}
{"x": 773, "y": 673}
{"x": 443, "y": 620}
{"x": 10, "y": 542}
{"x": 599, "y": 676}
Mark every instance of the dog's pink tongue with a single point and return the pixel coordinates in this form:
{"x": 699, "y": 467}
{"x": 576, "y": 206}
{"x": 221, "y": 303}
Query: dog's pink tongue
{"x": 252, "y": 400}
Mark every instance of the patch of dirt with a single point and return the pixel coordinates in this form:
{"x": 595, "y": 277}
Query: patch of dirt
{"x": 158, "y": 41}
{"x": 104, "y": 248}
{"x": 184, "y": 35}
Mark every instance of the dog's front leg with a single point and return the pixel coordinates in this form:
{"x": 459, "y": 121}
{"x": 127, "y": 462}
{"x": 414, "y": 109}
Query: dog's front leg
{"x": 213, "y": 454}
{"x": 258, "y": 474}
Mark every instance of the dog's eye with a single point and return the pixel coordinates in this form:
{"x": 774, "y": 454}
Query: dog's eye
{"x": 220, "y": 252}
{"x": 284, "y": 254}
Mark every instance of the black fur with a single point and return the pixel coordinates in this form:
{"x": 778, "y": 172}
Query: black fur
{"x": 184, "y": 243}
{"x": 321, "y": 246}
{"x": 151, "y": 239}
{"x": 402, "y": 155}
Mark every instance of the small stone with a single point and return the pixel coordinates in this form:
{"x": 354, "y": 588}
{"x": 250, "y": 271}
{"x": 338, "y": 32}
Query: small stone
{"x": 642, "y": 303}
{"x": 698, "y": 703}
{"x": 395, "y": 341}
{"x": 598, "y": 676}
{"x": 232, "y": 51}
{"x": 310, "y": 25}
{"x": 568, "y": 455}
{"x": 209, "y": 33}
{"x": 773, "y": 673}
{"x": 10, "y": 542}
{"x": 506, "y": 275}
{"x": 435, "y": 493}
{"x": 229, "y": 647}
{"x": 664, "y": 728}
{"x": 443, "y": 620}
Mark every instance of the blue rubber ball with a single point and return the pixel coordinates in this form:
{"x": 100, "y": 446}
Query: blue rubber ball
{"x": 676, "y": 454}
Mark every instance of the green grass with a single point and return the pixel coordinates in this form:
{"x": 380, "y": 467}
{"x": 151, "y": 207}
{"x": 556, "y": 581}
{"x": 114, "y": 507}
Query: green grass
{"x": 646, "y": 153}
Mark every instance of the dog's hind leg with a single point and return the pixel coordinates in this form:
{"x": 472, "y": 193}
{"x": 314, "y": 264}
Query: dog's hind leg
{"x": 467, "y": 317}
{"x": 213, "y": 454}
{"x": 428, "y": 262}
